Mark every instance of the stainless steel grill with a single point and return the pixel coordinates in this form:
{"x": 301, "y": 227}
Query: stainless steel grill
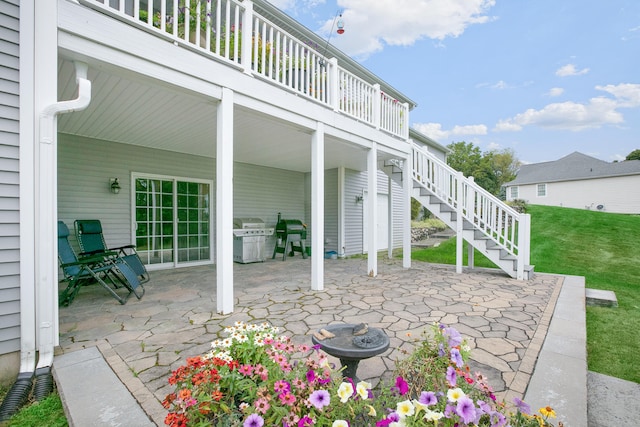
{"x": 249, "y": 235}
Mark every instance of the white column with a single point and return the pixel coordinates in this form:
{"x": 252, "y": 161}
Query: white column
{"x": 390, "y": 202}
{"x": 407, "y": 184}
{"x": 372, "y": 214}
{"x": 341, "y": 206}
{"x": 459, "y": 207}
{"x": 224, "y": 203}
{"x": 317, "y": 208}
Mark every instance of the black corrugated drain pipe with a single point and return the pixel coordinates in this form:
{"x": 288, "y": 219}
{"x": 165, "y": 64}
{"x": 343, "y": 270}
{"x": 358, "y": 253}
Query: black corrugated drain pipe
{"x": 44, "y": 383}
{"x": 17, "y": 395}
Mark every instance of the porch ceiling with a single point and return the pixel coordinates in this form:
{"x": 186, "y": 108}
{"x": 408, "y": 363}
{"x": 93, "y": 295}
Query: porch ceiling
{"x": 133, "y": 110}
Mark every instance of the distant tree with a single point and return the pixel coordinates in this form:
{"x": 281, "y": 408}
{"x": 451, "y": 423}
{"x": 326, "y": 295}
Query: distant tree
{"x": 490, "y": 170}
{"x": 505, "y": 165}
{"x": 634, "y": 155}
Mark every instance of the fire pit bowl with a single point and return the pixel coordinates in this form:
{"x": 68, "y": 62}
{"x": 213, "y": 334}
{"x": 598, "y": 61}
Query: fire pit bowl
{"x": 351, "y": 348}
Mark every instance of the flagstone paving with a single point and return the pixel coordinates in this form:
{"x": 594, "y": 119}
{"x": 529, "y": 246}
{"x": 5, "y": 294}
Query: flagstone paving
{"x": 505, "y": 320}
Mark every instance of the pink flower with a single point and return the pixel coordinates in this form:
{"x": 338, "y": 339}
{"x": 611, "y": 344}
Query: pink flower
{"x": 246, "y": 370}
{"x": 262, "y": 405}
{"x": 287, "y": 398}
{"x": 281, "y": 386}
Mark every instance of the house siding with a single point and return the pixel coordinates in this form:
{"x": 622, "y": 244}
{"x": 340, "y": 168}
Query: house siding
{"x": 9, "y": 177}
{"x": 258, "y": 191}
{"x": 615, "y": 194}
{"x": 331, "y": 206}
{"x": 355, "y": 185}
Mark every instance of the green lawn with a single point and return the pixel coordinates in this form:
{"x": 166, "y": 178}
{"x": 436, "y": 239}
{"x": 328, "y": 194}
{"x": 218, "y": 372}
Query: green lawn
{"x": 47, "y": 412}
{"x": 605, "y": 249}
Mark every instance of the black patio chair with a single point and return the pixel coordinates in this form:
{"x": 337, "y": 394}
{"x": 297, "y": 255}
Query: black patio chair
{"x": 111, "y": 273}
{"x": 91, "y": 240}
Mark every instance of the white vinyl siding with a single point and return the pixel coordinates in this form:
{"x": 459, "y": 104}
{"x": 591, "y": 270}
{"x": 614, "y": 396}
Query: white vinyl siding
{"x": 261, "y": 192}
{"x": 615, "y": 194}
{"x": 355, "y": 185}
{"x": 331, "y": 210}
{"x": 9, "y": 178}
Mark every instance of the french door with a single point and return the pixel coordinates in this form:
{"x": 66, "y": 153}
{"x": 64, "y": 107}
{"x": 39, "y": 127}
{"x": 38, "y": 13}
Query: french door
{"x": 171, "y": 220}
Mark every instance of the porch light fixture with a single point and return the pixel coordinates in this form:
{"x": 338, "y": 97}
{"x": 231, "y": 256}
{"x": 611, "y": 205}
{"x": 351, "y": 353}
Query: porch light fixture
{"x": 359, "y": 198}
{"x": 114, "y": 185}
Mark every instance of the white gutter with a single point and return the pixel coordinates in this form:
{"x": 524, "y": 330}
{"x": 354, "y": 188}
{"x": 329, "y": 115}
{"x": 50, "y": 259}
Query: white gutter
{"x": 47, "y": 218}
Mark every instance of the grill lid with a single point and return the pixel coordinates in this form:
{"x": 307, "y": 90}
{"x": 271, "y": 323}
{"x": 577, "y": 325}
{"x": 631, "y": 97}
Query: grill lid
{"x": 240, "y": 223}
{"x": 290, "y": 226}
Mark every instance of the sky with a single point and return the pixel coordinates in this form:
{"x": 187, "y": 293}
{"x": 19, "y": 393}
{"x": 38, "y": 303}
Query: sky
{"x": 544, "y": 78}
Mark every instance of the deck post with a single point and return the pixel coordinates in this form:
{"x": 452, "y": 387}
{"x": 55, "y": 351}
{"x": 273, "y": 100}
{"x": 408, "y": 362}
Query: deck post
{"x": 372, "y": 211}
{"x": 317, "y": 208}
{"x": 224, "y": 203}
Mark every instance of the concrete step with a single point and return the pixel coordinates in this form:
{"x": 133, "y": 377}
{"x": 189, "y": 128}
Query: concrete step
{"x": 92, "y": 394}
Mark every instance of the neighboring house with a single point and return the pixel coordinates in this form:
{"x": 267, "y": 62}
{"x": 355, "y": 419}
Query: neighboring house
{"x": 248, "y": 114}
{"x": 579, "y": 181}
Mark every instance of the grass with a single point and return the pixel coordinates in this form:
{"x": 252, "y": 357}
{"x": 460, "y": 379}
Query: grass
{"x": 47, "y": 412}
{"x": 605, "y": 249}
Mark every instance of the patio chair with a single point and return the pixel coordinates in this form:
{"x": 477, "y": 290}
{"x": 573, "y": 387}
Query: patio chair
{"x": 111, "y": 274}
{"x": 91, "y": 241}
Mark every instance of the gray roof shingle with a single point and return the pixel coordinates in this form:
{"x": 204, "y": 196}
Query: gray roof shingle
{"x": 575, "y": 166}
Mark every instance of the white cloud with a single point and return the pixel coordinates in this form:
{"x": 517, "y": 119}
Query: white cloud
{"x": 435, "y": 131}
{"x": 570, "y": 70}
{"x": 403, "y": 22}
{"x": 493, "y": 146}
{"x": 555, "y": 91}
{"x": 628, "y": 94}
{"x": 598, "y": 112}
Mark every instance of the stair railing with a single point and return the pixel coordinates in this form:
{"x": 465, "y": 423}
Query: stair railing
{"x": 505, "y": 226}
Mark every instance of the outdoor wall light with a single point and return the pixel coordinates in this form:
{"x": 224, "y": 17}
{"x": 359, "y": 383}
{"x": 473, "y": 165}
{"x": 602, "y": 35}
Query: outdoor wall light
{"x": 359, "y": 198}
{"x": 114, "y": 185}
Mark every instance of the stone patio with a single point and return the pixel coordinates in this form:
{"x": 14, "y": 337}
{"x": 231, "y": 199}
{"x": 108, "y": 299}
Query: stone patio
{"x": 505, "y": 320}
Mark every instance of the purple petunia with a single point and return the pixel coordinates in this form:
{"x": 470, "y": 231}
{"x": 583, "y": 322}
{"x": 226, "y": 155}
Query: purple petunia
{"x": 253, "y": 420}
{"x": 428, "y": 398}
{"x": 456, "y": 357}
{"x": 466, "y": 409}
{"x": 451, "y": 376}
{"x": 522, "y": 406}
{"x": 498, "y": 419}
{"x": 320, "y": 398}
{"x": 454, "y": 337}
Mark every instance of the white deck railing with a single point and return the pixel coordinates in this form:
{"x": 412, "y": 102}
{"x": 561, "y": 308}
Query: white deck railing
{"x": 505, "y": 226}
{"x": 230, "y": 30}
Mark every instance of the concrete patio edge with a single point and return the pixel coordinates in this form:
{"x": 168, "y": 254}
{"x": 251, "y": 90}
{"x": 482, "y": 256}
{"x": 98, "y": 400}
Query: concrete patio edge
{"x": 560, "y": 376}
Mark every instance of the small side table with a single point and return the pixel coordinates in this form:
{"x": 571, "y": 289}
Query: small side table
{"x": 350, "y": 348}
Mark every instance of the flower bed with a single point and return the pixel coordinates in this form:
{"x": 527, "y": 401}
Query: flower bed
{"x": 255, "y": 378}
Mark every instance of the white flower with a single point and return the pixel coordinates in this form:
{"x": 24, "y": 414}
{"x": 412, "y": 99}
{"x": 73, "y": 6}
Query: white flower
{"x": 432, "y": 415}
{"x": 345, "y": 391}
{"x": 405, "y": 409}
{"x": 454, "y": 394}
{"x": 362, "y": 388}
{"x": 340, "y": 423}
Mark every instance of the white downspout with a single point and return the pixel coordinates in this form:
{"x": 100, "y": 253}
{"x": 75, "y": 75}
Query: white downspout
{"x": 47, "y": 218}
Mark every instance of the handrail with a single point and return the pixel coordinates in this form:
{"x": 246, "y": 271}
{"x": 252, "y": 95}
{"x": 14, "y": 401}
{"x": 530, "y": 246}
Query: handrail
{"x": 232, "y": 31}
{"x": 501, "y": 223}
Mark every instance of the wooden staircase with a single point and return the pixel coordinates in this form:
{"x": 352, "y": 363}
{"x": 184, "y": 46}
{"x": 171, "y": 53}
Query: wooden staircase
{"x": 489, "y": 225}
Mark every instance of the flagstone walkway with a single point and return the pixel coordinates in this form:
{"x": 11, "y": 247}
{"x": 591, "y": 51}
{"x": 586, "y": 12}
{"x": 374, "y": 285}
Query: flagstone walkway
{"x": 505, "y": 320}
